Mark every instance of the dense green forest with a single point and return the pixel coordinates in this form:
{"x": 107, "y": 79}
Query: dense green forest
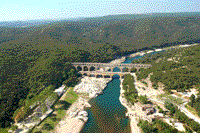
{"x": 176, "y": 68}
{"x": 38, "y": 56}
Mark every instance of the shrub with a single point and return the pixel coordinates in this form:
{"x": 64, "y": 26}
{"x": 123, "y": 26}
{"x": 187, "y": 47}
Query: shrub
{"x": 14, "y": 127}
{"x": 38, "y": 132}
{"x": 48, "y": 127}
{"x": 160, "y": 110}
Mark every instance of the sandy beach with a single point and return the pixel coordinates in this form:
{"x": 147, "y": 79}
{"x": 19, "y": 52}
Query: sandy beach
{"x": 140, "y": 53}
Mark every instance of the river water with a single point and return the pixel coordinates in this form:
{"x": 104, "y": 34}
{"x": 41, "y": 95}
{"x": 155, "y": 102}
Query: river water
{"x": 107, "y": 115}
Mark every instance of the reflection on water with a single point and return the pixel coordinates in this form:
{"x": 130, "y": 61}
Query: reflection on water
{"x": 107, "y": 115}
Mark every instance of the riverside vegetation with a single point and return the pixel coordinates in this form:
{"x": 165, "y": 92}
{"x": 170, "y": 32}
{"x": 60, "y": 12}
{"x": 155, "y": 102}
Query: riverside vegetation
{"x": 32, "y": 61}
{"x": 59, "y": 113}
{"x": 177, "y": 69}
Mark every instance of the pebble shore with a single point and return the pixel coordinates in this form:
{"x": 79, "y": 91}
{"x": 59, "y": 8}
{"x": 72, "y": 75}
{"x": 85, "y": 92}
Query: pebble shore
{"x": 76, "y": 117}
{"x": 92, "y": 86}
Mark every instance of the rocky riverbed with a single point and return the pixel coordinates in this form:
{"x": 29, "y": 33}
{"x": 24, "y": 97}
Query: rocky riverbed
{"x": 92, "y": 86}
{"x": 76, "y": 116}
{"x": 116, "y": 61}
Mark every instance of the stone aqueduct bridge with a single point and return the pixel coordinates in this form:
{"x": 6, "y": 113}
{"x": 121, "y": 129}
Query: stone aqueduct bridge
{"x": 102, "y": 68}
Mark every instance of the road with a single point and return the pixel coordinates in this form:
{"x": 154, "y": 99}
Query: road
{"x": 182, "y": 109}
{"x": 190, "y": 115}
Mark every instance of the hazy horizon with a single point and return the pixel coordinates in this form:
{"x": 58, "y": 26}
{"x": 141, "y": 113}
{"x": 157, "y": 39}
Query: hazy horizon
{"x": 41, "y": 10}
{"x": 88, "y": 17}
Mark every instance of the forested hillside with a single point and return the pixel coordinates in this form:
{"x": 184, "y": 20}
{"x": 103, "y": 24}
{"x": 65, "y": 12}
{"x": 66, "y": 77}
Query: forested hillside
{"x": 176, "y": 68}
{"x": 37, "y": 56}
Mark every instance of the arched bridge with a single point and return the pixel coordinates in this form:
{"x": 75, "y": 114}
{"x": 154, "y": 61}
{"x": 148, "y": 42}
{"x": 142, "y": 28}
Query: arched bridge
{"x": 105, "y": 69}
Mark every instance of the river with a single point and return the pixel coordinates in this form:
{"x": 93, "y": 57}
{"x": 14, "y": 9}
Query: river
{"x": 107, "y": 115}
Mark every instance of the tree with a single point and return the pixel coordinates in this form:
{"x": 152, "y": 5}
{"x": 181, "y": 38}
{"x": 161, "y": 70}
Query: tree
{"x": 14, "y": 127}
{"x": 133, "y": 70}
{"x": 21, "y": 102}
{"x": 132, "y": 98}
{"x": 143, "y": 99}
{"x": 160, "y": 110}
{"x": 142, "y": 73}
{"x": 146, "y": 126}
{"x": 48, "y": 127}
{"x": 126, "y": 70}
{"x": 38, "y": 132}
{"x": 171, "y": 107}
{"x": 180, "y": 116}
{"x": 194, "y": 125}
{"x": 188, "y": 130}
{"x": 192, "y": 100}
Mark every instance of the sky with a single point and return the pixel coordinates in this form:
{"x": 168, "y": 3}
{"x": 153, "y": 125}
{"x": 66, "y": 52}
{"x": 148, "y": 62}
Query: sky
{"x": 64, "y": 9}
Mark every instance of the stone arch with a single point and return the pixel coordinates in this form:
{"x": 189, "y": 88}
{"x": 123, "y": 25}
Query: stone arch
{"x": 116, "y": 76}
{"x": 84, "y": 74}
{"x": 99, "y": 76}
{"x": 79, "y": 68}
{"x": 92, "y": 68}
{"x": 98, "y": 68}
{"x": 109, "y": 69}
{"x": 92, "y": 75}
{"x": 107, "y": 76}
{"x": 85, "y": 68}
{"x": 126, "y": 69}
{"x": 80, "y": 75}
{"x": 133, "y": 69}
{"x": 116, "y": 69}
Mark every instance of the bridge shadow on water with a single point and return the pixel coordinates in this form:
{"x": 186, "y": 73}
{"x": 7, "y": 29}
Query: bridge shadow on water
{"x": 116, "y": 69}
{"x": 116, "y": 76}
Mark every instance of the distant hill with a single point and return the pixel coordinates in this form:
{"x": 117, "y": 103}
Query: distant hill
{"x": 139, "y": 16}
{"x": 15, "y": 24}
{"x": 101, "y": 28}
{"x": 18, "y": 24}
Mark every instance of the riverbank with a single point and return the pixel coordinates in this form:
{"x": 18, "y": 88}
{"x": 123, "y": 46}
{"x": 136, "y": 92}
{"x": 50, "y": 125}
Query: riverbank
{"x": 76, "y": 117}
{"x": 133, "y": 121}
{"x": 141, "y": 53}
{"x": 116, "y": 61}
